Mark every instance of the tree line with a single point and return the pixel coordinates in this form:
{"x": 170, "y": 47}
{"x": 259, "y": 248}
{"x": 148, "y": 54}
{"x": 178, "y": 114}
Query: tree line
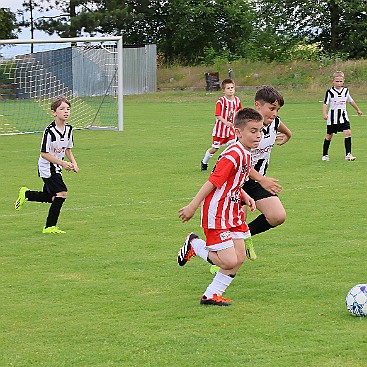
{"x": 192, "y": 32}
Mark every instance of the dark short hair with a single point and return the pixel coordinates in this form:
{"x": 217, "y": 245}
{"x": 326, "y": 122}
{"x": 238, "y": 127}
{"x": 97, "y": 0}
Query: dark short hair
{"x": 227, "y": 81}
{"x": 268, "y": 94}
{"x": 57, "y": 102}
{"x": 245, "y": 115}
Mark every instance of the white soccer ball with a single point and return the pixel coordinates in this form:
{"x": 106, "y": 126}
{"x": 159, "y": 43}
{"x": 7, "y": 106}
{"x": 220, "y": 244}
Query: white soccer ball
{"x": 356, "y": 300}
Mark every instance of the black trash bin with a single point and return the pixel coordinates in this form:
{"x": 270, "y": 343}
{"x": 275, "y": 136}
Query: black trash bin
{"x": 212, "y": 81}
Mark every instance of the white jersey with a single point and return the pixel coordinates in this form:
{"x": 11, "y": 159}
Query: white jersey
{"x": 261, "y": 154}
{"x": 337, "y": 101}
{"x": 55, "y": 142}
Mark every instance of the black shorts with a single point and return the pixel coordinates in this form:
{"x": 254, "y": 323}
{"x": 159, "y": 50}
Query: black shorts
{"x": 256, "y": 191}
{"x": 54, "y": 184}
{"x": 333, "y": 129}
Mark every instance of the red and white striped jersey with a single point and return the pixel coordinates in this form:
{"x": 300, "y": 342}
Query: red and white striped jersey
{"x": 222, "y": 208}
{"x": 226, "y": 109}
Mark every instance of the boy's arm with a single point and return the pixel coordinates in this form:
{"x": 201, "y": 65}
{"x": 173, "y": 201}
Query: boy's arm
{"x": 225, "y": 122}
{"x": 69, "y": 154}
{"x": 359, "y": 112}
{"x": 268, "y": 183}
{"x": 248, "y": 200}
{"x": 284, "y": 134}
{"x": 324, "y": 111}
{"x": 52, "y": 159}
{"x": 188, "y": 211}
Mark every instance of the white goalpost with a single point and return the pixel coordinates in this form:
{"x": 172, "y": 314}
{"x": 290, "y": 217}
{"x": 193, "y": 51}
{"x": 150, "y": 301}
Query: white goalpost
{"x": 87, "y": 70}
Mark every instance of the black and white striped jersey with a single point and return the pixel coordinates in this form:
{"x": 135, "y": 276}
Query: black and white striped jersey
{"x": 261, "y": 154}
{"x": 337, "y": 101}
{"x": 55, "y": 142}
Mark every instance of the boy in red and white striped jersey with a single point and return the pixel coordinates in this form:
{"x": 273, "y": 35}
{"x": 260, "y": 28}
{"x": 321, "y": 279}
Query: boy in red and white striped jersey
{"x": 223, "y": 132}
{"x": 222, "y": 215}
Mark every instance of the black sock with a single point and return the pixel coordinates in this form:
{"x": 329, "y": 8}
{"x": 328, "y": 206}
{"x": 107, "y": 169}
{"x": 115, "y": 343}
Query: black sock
{"x": 348, "y": 145}
{"x": 259, "y": 224}
{"x": 39, "y": 196}
{"x": 209, "y": 261}
{"x": 54, "y": 212}
{"x": 325, "y": 148}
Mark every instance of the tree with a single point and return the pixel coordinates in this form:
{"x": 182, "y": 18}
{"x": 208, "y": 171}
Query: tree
{"x": 191, "y": 27}
{"x": 339, "y": 25}
{"x": 9, "y": 27}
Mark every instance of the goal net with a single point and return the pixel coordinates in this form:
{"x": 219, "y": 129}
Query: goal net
{"x": 88, "y": 71}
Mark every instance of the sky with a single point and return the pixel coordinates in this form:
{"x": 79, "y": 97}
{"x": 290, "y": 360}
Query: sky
{"x": 15, "y": 5}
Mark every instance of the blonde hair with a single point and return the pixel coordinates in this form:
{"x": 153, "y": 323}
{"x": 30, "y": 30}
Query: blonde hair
{"x": 338, "y": 73}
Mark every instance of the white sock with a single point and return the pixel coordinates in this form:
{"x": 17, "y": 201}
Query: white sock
{"x": 207, "y": 157}
{"x": 199, "y": 246}
{"x": 218, "y": 285}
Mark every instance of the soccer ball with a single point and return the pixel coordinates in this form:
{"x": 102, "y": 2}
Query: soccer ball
{"x": 356, "y": 300}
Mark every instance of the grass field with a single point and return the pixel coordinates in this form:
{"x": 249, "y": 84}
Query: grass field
{"x": 110, "y": 293}
{"x": 32, "y": 115}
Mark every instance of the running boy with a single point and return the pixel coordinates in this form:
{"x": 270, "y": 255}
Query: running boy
{"x": 222, "y": 215}
{"x": 225, "y": 110}
{"x": 337, "y": 118}
{"x": 268, "y": 101}
{"x": 57, "y": 142}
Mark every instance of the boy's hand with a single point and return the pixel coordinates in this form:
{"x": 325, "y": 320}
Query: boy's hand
{"x": 75, "y": 168}
{"x": 250, "y": 202}
{"x": 271, "y": 185}
{"x": 68, "y": 166}
{"x": 186, "y": 213}
{"x": 359, "y": 112}
{"x": 281, "y": 138}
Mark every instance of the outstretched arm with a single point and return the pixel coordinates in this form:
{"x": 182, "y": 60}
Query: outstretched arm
{"x": 188, "y": 211}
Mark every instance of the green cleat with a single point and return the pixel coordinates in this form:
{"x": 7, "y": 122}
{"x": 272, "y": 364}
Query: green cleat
{"x": 52, "y": 229}
{"x": 214, "y": 269}
{"x": 21, "y": 198}
{"x": 250, "y": 251}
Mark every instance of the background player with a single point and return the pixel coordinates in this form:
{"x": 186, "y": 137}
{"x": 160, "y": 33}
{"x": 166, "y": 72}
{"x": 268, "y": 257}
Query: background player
{"x": 57, "y": 142}
{"x": 223, "y": 131}
{"x": 337, "y": 117}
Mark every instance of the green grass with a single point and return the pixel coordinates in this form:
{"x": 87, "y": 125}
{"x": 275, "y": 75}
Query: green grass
{"x": 110, "y": 293}
{"x": 32, "y": 115}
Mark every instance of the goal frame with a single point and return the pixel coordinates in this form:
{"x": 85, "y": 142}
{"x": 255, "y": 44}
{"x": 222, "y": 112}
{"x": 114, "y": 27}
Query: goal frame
{"x": 117, "y": 39}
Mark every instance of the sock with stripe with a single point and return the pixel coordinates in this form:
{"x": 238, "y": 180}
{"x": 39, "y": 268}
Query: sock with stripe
{"x": 199, "y": 246}
{"x": 207, "y": 157}
{"x": 219, "y": 284}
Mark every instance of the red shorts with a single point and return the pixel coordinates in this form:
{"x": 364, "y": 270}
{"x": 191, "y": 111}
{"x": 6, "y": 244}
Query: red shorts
{"x": 220, "y": 239}
{"x": 218, "y": 142}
